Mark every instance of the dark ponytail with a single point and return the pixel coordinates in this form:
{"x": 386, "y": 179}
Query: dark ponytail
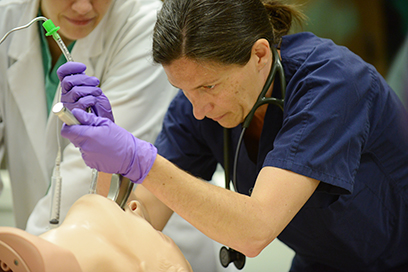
{"x": 221, "y": 31}
{"x": 282, "y": 17}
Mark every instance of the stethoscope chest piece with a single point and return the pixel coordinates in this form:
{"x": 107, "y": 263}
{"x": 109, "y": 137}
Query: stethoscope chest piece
{"x": 229, "y": 255}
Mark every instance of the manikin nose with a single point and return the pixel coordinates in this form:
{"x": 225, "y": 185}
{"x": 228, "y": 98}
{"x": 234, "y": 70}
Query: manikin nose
{"x": 135, "y": 207}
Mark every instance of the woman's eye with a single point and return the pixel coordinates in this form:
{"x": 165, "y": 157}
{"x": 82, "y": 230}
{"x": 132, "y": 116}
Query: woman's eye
{"x": 209, "y": 87}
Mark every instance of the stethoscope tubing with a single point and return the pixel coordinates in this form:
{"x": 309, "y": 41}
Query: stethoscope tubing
{"x": 230, "y": 255}
{"x": 277, "y": 68}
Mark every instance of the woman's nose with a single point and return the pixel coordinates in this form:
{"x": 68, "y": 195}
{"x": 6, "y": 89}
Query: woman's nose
{"x": 201, "y": 107}
{"x": 82, "y": 7}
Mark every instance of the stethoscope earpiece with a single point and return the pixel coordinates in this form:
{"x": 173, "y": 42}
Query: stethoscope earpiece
{"x": 229, "y": 255}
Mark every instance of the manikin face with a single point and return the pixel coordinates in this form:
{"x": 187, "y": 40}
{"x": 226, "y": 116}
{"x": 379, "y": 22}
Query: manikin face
{"x": 224, "y": 93}
{"x": 77, "y": 18}
{"x": 103, "y": 237}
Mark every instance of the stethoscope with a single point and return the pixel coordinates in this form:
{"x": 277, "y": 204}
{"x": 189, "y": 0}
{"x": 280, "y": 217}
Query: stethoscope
{"x": 229, "y": 255}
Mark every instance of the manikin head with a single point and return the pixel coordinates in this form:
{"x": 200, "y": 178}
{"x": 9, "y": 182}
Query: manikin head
{"x": 97, "y": 235}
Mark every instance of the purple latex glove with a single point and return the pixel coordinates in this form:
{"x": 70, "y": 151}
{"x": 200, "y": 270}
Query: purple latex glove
{"x": 81, "y": 91}
{"x": 109, "y": 148}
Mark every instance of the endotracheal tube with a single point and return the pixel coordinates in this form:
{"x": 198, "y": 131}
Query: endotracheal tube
{"x": 56, "y": 179}
{"x": 51, "y": 31}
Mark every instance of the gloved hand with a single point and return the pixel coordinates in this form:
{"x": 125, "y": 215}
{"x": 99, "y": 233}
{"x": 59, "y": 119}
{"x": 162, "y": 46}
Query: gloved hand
{"x": 81, "y": 91}
{"x": 109, "y": 148}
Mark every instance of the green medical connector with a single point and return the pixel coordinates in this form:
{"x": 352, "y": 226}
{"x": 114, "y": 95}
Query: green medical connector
{"x": 51, "y": 29}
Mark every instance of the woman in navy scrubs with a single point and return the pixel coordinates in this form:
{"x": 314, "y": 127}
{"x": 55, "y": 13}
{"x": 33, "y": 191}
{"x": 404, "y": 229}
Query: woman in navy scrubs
{"x": 328, "y": 175}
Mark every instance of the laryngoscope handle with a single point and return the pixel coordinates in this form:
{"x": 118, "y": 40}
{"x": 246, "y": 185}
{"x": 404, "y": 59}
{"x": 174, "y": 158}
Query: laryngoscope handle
{"x": 64, "y": 114}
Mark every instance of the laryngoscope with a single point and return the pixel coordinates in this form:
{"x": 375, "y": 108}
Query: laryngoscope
{"x": 228, "y": 255}
{"x": 119, "y": 187}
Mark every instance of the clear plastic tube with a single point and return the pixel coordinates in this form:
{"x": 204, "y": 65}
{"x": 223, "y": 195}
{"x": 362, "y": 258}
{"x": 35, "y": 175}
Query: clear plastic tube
{"x": 64, "y": 49}
{"x": 94, "y": 182}
{"x": 56, "y": 177}
{"x": 52, "y": 31}
{"x": 56, "y": 180}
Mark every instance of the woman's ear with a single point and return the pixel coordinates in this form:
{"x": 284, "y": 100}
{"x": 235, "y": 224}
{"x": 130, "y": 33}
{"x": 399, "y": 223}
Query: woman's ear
{"x": 261, "y": 50}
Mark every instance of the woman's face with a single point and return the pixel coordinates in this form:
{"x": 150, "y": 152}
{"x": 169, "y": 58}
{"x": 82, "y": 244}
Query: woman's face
{"x": 223, "y": 93}
{"x": 77, "y": 18}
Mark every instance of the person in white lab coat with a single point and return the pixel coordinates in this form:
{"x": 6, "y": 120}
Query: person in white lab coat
{"x": 113, "y": 39}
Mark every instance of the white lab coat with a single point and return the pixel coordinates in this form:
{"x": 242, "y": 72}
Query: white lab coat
{"x": 118, "y": 52}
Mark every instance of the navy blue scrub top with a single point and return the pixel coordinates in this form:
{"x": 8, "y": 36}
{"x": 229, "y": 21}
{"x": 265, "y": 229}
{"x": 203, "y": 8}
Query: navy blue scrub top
{"x": 342, "y": 125}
